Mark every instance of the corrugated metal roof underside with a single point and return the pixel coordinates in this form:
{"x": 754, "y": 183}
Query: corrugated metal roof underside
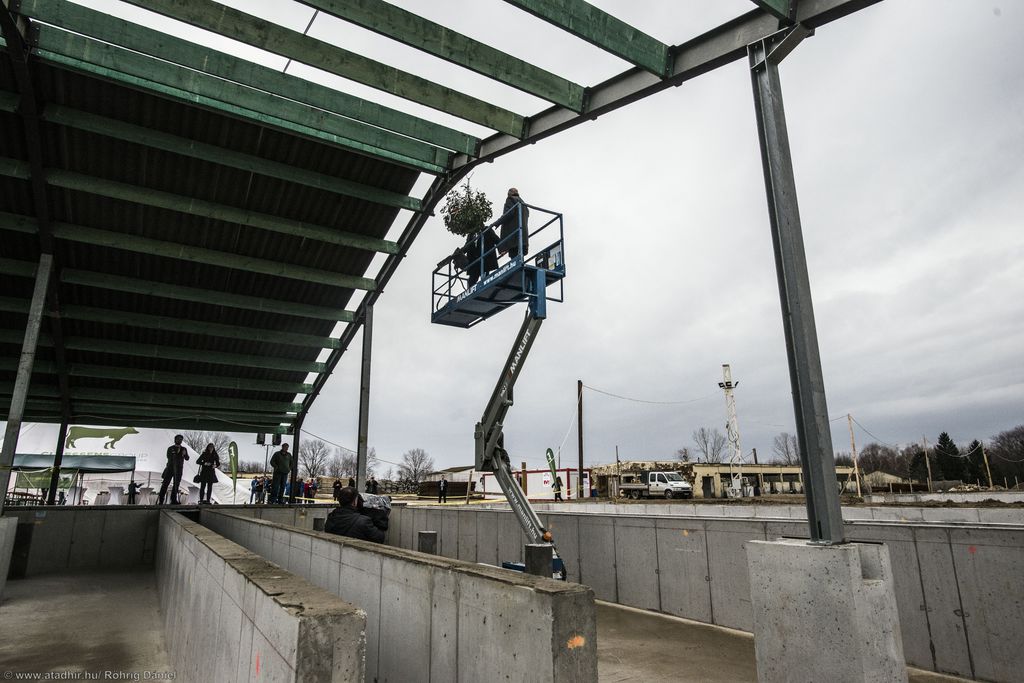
{"x": 105, "y": 158}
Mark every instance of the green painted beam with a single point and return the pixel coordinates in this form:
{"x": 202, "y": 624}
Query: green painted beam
{"x": 225, "y": 157}
{"x": 202, "y": 58}
{"x": 601, "y": 29}
{"x": 157, "y": 322}
{"x": 177, "y": 418}
{"x": 14, "y": 168}
{"x": 441, "y": 41}
{"x": 188, "y": 355}
{"x": 223, "y": 259}
{"x": 158, "y": 377}
{"x": 120, "y": 283}
{"x": 777, "y": 8}
{"x": 9, "y": 102}
{"x": 18, "y": 268}
{"x": 104, "y": 395}
{"x": 271, "y": 37}
{"x": 145, "y": 73}
{"x": 195, "y": 207}
{"x": 149, "y": 288}
{"x": 10, "y": 304}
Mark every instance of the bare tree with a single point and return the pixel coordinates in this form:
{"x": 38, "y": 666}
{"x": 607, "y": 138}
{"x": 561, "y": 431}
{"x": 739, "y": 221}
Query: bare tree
{"x": 313, "y": 457}
{"x": 197, "y": 441}
{"x": 250, "y": 467}
{"x": 683, "y": 454}
{"x": 415, "y": 464}
{"x": 710, "y": 442}
{"x": 786, "y": 449}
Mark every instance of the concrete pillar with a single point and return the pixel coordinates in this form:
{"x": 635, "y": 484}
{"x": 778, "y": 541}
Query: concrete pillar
{"x": 824, "y": 613}
{"x": 538, "y": 559}
{"x": 362, "y": 439}
{"x": 426, "y": 542}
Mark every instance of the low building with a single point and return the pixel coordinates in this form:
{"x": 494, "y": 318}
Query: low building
{"x": 711, "y": 480}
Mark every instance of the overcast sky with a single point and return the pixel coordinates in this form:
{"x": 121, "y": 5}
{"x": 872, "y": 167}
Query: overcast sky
{"x": 905, "y": 122}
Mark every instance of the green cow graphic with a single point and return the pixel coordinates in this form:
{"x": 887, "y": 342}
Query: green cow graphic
{"x": 114, "y": 434}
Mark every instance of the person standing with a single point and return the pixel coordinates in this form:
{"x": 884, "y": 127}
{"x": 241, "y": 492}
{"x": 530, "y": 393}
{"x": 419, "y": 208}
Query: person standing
{"x": 133, "y": 490}
{"x": 336, "y": 489}
{"x": 176, "y": 457}
{"x": 281, "y": 461}
{"x": 208, "y": 463}
{"x": 261, "y": 489}
{"x": 558, "y": 488}
{"x": 442, "y": 490}
{"x": 510, "y": 223}
{"x": 252, "y": 489}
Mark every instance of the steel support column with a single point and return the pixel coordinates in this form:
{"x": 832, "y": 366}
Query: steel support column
{"x": 295, "y": 459}
{"x": 51, "y": 492}
{"x": 24, "y": 376}
{"x": 812, "y": 427}
{"x": 364, "y": 400}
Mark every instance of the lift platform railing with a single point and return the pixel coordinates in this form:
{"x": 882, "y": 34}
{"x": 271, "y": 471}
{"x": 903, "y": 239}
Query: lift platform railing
{"x": 451, "y": 283}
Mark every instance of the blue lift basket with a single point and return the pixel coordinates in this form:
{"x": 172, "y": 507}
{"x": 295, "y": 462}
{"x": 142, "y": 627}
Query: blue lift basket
{"x": 457, "y": 303}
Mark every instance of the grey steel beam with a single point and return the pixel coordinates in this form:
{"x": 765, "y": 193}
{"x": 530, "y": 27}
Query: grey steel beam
{"x": 716, "y": 48}
{"x": 225, "y": 157}
{"x": 434, "y": 194}
{"x": 364, "y": 400}
{"x": 271, "y": 37}
{"x": 441, "y": 41}
{"x": 184, "y": 252}
{"x": 824, "y": 515}
{"x": 602, "y": 30}
{"x": 23, "y": 378}
{"x": 230, "y": 68}
{"x": 169, "y": 418}
{"x": 80, "y": 182}
{"x": 120, "y": 283}
{"x": 296, "y": 445}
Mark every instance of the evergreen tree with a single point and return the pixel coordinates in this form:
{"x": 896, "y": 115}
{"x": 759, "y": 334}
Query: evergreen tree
{"x": 974, "y": 464}
{"x": 948, "y": 460}
{"x": 918, "y": 467}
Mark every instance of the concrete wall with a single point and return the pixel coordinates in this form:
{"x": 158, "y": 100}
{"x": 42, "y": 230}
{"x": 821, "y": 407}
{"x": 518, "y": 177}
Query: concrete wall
{"x": 430, "y": 618}
{"x": 953, "y": 496}
{"x": 1014, "y": 515}
{"x": 230, "y": 615}
{"x": 60, "y": 538}
{"x": 958, "y": 588}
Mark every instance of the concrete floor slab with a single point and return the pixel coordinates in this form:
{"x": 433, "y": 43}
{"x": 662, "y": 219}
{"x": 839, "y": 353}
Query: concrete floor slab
{"x": 83, "y": 621}
{"x": 636, "y": 646}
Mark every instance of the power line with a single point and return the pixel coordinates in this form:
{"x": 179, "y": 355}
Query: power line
{"x": 640, "y": 400}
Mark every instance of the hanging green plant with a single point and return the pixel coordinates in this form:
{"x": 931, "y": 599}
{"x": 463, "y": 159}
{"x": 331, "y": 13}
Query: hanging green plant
{"x": 466, "y": 210}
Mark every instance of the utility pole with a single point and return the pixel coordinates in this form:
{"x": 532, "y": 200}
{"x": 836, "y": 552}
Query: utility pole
{"x": 618, "y": 475}
{"x": 988, "y": 472}
{"x": 732, "y": 428}
{"x": 579, "y": 430}
{"x": 927, "y": 463}
{"x": 853, "y": 450}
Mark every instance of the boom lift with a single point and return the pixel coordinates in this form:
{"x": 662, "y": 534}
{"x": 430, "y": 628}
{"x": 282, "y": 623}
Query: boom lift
{"x": 460, "y": 305}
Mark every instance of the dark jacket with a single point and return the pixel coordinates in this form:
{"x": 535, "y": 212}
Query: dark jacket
{"x": 208, "y": 464}
{"x": 176, "y": 457}
{"x": 442, "y": 485}
{"x": 281, "y": 461}
{"x": 509, "y": 223}
{"x": 468, "y": 257}
{"x": 346, "y": 521}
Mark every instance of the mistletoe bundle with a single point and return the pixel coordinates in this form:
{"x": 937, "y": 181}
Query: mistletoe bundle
{"x": 466, "y": 210}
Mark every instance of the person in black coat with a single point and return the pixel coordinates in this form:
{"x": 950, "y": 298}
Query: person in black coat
{"x": 208, "y": 463}
{"x": 176, "y": 457}
{"x": 442, "y": 490}
{"x": 467, "y": 257}
{"x": 336, "y": 489}
{"x": 346, "y": 520}
{"x": 509, "y": 222}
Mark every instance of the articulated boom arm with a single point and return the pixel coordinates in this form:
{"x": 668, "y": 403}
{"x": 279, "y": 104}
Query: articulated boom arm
{"x": 490, "y": 451}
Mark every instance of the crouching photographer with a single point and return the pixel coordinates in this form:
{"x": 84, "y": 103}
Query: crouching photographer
{"x": 358, "y": 518}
